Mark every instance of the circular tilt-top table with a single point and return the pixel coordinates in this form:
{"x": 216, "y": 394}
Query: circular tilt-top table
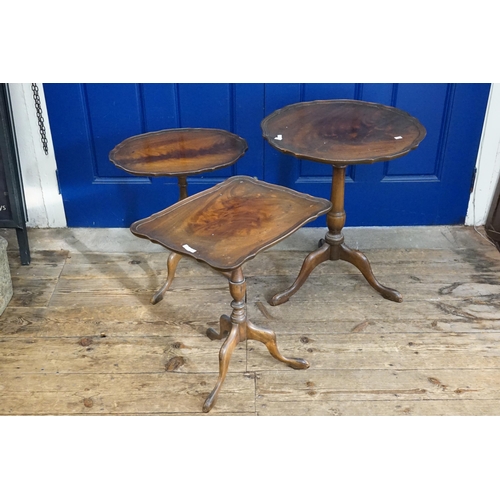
{"x": 177, "y": 153}
{"x": 341, "y": 133}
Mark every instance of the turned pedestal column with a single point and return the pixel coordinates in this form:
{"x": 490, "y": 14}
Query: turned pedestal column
{"x": 334, "y": 248}
{"x": 225, "y": 226}
{"x": 341, "y": 132}
{"x": 177, "y": 153}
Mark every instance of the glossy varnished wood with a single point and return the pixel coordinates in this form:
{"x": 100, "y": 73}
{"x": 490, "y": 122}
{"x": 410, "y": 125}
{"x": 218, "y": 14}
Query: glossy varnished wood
{"x": 343, "y": 132}
{"x": 178, "y": 152}
{"x": 238, "y": 328}
{"x": 230, "y": 223}
{"x": 224, "y": 227}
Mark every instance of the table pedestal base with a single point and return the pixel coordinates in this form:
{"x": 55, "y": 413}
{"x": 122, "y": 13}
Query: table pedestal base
{"x": 172, "y": 261}
{"x": 238, "y": 328}
{"x": 342, "y": 252}
{"x": 334, "y": 248}
{"x": 173, "y": 258}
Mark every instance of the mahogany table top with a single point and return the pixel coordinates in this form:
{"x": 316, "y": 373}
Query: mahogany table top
{"x": 175, "y": 152}
{"x": 343, "y": 132}
{"x": 228, "y": 224}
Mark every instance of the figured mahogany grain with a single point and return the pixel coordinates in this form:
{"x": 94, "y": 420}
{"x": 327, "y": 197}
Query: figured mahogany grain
{"x": 177, "y": 152}
{"x": 343, "y": 132}
{"x": 230, "y": 223}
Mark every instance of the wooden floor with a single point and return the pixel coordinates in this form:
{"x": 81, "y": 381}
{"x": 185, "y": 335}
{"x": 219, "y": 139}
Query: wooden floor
{"x": 80, "y": 337}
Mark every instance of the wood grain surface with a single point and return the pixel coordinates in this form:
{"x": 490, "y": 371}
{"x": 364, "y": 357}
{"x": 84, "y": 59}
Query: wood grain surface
{"x": 175, "y": 152}
{"x": 81, "y": 338}
{"x": 343, "y": 132}
{"x": 230, "y": 223}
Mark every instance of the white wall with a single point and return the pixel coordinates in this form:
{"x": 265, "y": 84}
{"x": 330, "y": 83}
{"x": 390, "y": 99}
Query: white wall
{"x": 488, "y": 163}
{"x": 43, "y": 201}
{"x": 45, "y": 206}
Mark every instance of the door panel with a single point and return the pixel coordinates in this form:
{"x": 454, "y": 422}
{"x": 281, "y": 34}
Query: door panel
{"x": 431, "y": 110}
{"x": 114, "y": 111}
{"x": 430, "y": 185}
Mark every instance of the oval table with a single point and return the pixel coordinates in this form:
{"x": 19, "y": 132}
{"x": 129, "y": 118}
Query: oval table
{"x": 341, "y": 133}
{"x": 177, "y": 153}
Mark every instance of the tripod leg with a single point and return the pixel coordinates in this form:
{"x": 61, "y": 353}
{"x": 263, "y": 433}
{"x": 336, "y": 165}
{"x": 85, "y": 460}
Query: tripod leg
{"x": 268, "y": 337}
{"x": 224, "y": 357}
{"x": 173, "y": 260}
{"x": 360, "y": 261}
{"x": 225, "y": 326}
{"x": 310, "y": 263}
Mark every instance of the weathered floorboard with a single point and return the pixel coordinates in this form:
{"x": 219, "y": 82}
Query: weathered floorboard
{"x": 125, "y": 291}
{"x": 109, "y": 321}
{"x": 355, "y": 351}
{"x": 113, "y": 394}
{"x": 44, "y": 264}
{"x": 311, "y": 386}
{"x": 185, "y": 319}
{"x": 340, "y": 288}
{"x": 95, "y": 354}
{"x": 382, "y": 408}
{"x": 80, "y": 336}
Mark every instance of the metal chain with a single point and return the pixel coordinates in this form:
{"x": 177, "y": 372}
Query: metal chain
{"x": 41, "y": 126}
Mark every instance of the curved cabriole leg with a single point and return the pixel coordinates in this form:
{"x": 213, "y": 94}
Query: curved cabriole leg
{"x": 224, "y": 328}
{"x": 236, "y": 324}
{"x": 173, "y": 260}
{"x": 268, "y": 337}
{"x": 311, "y": 261}
{"x": 360, "y": 261}
{"x": 241, "y": 329}
{"x": 224, "y": 357}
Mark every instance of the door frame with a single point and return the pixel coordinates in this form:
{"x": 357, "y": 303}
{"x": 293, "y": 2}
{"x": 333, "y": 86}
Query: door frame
{"x": 487, "y": 163}
{"x": 44, "y": 201}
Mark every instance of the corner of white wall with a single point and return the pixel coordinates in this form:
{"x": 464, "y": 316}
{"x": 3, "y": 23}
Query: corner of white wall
{"x": 43, "y": 202}
{"x": 487, "y": 164}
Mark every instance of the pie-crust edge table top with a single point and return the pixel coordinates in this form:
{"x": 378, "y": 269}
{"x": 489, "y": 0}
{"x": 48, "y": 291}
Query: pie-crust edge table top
{"x": 228, "y": 224}
{"x": 225, "y": 226}
{"x": 178, "y": 152}
{"x": 342, "y": 131}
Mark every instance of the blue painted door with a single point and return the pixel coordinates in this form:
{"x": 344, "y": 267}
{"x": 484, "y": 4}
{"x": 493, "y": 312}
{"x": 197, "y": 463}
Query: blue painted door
{"x": 430, "y": 185}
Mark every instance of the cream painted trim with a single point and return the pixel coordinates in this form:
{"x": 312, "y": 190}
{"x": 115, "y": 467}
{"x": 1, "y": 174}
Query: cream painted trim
{"x": 43, "y": 202}
{"x": 487, "y": 164}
